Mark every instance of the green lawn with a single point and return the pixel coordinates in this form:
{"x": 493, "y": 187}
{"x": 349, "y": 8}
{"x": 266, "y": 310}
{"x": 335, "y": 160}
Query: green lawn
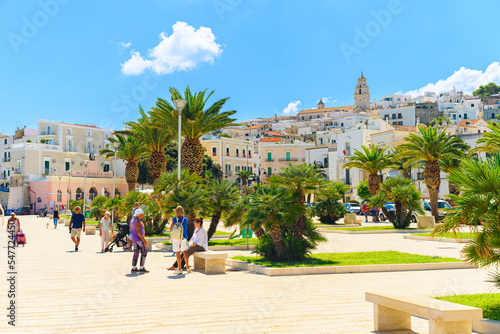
{"x": 490, "y": 303}
{"x": 349, "y": 259}
{"x": 225, "y": 242}
{"x": 375, "y": 228}
{"x": 449, "y": 235}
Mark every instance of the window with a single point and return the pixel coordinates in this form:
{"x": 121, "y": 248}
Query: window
{"x": 214, "y": 151}
{"x": 237, "y": 168}
{"x": 269, "y": 171}
{"x": 67, "y": 165}
{"x": 302, "y": 117}
{"x": 227, "y": 151}
{"x": 69, "y": 146}
{"x": 244, "y": 168}
{"x": 318, "y": 116}
{"x": 228, "y": 168}
{"x": 49, "y": 129}
{"x": 237, "y": 152}
{"x": 400, "y": 123}
{"x": 394, "y": 123}
{"x": 359, "y": 91}
{"x": 310, "y": 117}
{"x": 269, "y": 156}
{"x": 472, "y": 105}
{"x": 393, "y": 116}
{"x": 400, "y": 115}
{"x": 39, "y": 200}
{"x": 106, "y": 167}
{"x": 5, "y": 141}
{"x": 68, "y": 131}
{"x": 250, "y": 169}
{"x": 249, "y": 153}
{"x": 493, "y": 115}
{"x": 244, "y": 156}
{"x": 89, "y": 133}
{"x": 106, "y": 135}
{"x": 465, "y": 116}
{"x": 386, "y": 116}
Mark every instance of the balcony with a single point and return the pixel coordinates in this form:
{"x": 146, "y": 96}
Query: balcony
{"x": 47, "y": 133}
{"x": 288, "y": 159}
{"x": 5, "y": 159}
{"x": 347, "y": 182}
{"x": 18, "y": 171}
{"x": 229, "y": 172}
{"x": 37, "y": 146}
{"x": 269, "y": 160}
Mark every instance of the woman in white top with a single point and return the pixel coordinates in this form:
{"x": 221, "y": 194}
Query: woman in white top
{"x": 104, "y": 227}
{"x": 198, "y": 242}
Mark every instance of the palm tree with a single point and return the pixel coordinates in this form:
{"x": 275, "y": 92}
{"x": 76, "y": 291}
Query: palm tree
{"x": 244, "y": 175}
{"x": 429, "y": 149}
{"x": 373, "y": 161}
{"x": 479, "y": 201}
{"x": 155, "y": 138}
{"x": 329, "y": 207}
{"x": 197, "y": 120}
{"x": 301, "y": 180}
{"x": 221, "y": 195}
{"x": 407, "y": 199}
{"x": 491, "y": 140}
{"x": 271, "y": 207}
{"x": 131, "y": 150}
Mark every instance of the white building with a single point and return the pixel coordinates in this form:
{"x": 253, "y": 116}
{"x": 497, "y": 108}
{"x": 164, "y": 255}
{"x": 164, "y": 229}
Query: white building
{"x": 391, "y": 101}
{"x": 399, "y": 116}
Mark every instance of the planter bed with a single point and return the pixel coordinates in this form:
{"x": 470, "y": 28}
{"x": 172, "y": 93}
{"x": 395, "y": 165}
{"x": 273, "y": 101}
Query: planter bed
{"x": 374, "y": 230}
{"x": 491, "y": 310}
{"x": 344, "y": 263}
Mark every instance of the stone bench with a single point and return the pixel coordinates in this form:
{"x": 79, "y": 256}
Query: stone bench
{"x": 61, "y": 220}
{"x": 425, "y": 221}
{"x": 90, "y": 230}
{"x": 393, "y": 312}
{"x": 66, "y": 222}
{"x": 351, "y": 218}
{"x": 211, "y": 262}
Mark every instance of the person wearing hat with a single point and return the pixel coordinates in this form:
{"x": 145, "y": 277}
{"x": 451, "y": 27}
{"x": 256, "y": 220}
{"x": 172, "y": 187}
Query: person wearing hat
{"x": 76, "y": 224}
{"x": 13, "y": 223}
{"x": 140, "y": 244}
{"x": 104, "y": 226}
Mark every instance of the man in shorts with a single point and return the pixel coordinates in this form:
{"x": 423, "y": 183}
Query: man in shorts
{"x": 76, "y": 224}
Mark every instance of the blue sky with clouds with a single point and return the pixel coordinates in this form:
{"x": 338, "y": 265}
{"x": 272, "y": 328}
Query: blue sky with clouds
{"x": 95, "y": 62}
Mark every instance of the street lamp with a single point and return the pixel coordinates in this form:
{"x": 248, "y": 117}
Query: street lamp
{"x": 85, "y": 163}
{"x": 69, "y": 188}
{"x": 115, "y": 148}
{"x": 179, "y": 105}
{"x": 59, "y": 193}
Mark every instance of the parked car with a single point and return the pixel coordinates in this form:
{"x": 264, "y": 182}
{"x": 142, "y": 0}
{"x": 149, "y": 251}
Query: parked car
{"x": 390, "y": 207}
{"x": 443, "y": 207}
{"x": 22, "y": 211}
{"x": 353, "y": 208}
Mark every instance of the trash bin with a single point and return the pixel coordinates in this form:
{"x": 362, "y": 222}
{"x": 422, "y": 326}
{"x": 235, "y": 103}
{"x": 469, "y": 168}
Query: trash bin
{"x": 87, "y": 214}
{"x": 245, "y": 234}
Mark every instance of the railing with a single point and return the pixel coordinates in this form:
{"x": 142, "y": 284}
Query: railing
{"x": 37, "y": 146}
{"x": 346, "y": 181}
{"x": 332, "y": 148}
{"x": 269, "y": 160}
{"x": 288, "y": 159}
{"x": 471, "y": 135}
{"x": 18, "y": 171}
{"x": 6, "y": 159}
{"x": 229, "y": 172}
{"x": 47, "y": 133}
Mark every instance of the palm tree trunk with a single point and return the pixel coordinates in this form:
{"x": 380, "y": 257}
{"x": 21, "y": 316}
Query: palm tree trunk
{"x": 157, "y": 164}
{"x": 373, "y": 183}
{"x": 192, "y": 155}
{"x": 432, "y": 179}
{"x": 404, "y": 213}
{"x": 388, "y": 214}
{"x": 214, "y": 223}
{"x": 259, "y": 232}
{"x": 453, "y": 189}
{"x": 298, "y": 226}
{"x": 131, "y": 175}
{"x": 191, "y": 215}
{"x": 397, "y": 204}
{"x": 278, "y": 243}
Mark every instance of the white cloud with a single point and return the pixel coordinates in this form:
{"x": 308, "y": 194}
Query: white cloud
{"x": 328, "y": 99}
{"x": 292, "y": 108}
{"x": 183, "y": 50}
{"x": 465, "y": 79}
{"x": 124, "y": 45}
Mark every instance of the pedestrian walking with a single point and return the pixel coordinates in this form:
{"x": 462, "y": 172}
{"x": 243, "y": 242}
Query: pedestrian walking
{"x": 13, "y": 224}
{"x": 56, "y": 217}
{"x": 76, "y": 224}
{"x": 104, "y": 226}
{"x": 179, "y": 236}
{"x": 364, "y": 211}
{"x": 140, "y": 244}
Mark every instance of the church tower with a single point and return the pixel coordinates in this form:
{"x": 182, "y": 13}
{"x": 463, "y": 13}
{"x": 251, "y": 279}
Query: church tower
{"x": 362, "y": 94}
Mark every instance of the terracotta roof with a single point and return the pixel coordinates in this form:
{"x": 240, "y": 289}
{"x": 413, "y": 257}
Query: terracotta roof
{"x": 273, "y": 133}
{"x": 406, "y": 128}
{"x": 253, "y": 127}
{"x": 470, "y": 121}
{"x": 270, "y": 140}
{"x": 310, "y": 111}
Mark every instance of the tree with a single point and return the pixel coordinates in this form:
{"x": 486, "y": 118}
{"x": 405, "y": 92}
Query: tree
{"x": 428, "y": 150}
{"x": 406, "y": 197}
{"x": 127, "y": 203}
{"x": 131, "y": 150}
{"x": 329, "y": 207}
{"x": 486, "y": 90}
{"x": 478, "y": 202}
{"x": 197, "y": 120}
{"x": 300, "y": 180}
{"x": 490, "y": 141}
{"x": 244, "y": 175}
{"x": 99, "y": 206}
{"x": 371, "y": 160}
{"x": 221, "y": 195}
{"x": 362, "y": 189}
{"x": 155, "y": 138}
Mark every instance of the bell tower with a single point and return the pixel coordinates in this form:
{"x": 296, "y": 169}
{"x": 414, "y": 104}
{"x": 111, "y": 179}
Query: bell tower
{"x": 362, "y": 94}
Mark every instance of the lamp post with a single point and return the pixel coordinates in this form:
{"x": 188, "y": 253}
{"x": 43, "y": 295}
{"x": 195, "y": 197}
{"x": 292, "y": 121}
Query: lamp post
{"x": 69, "y": 188}
{"x": 179, "y": 105}
{"x": 59, "y": 193}
{"x": 264, "y": 173}
{"x": 85, "y": 163}
{"x": 115, "y": 148}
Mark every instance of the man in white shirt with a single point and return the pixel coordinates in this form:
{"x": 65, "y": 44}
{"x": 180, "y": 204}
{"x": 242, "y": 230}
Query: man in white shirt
{"x": 198, "y": 242}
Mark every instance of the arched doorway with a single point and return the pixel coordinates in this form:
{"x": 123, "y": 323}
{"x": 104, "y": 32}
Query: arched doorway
{"x": 107, "y": 193}
{"x": 92, "y": 193}
{"x": 79, "y": 194}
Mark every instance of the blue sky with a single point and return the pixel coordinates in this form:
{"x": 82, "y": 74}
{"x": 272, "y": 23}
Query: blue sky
{"x": 262, "y": 54}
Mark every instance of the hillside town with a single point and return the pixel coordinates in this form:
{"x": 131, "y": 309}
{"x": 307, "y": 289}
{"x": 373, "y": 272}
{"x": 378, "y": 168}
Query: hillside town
{"x": 49, "y": 165}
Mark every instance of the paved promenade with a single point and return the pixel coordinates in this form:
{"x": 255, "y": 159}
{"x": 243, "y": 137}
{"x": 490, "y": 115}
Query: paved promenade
{"x": 60, "y": 291}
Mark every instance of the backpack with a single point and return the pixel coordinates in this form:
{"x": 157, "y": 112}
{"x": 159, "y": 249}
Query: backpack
{"x": 178, "y": 230}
